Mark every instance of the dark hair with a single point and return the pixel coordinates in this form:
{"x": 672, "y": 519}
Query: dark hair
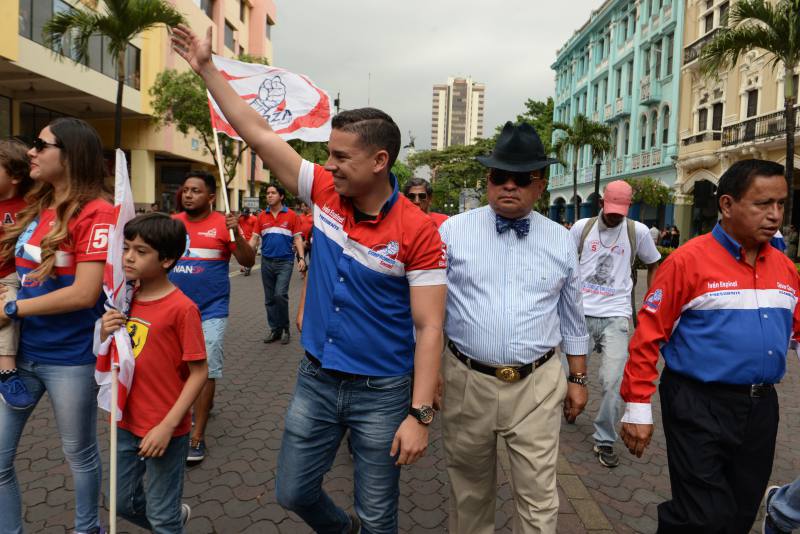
{"x": 374, "y": 127}
{"x": 737, "y": 179}
{"x": 165, "y": 234}
{"x": 208, "y": 179}
{"x": 418, "y": 182}
{"x": 281, "y": 191}
{"x": 14, "y": 159}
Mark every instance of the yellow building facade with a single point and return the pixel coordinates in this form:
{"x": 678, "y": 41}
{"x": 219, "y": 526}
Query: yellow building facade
{"x": 35, "y": 87}
{"x": 737, "y": 114}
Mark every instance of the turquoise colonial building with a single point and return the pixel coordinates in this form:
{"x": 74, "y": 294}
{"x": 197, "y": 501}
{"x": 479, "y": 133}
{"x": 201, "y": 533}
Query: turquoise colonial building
{"x": 622, "y": 67}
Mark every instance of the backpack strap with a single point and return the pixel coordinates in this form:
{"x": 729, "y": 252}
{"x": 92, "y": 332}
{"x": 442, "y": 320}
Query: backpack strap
{"x": 585, "y": 233}
{"x": 632, "y": 239}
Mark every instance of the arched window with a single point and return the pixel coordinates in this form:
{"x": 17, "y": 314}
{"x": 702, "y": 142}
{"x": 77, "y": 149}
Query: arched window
{"x": 643, "y": 132}
{"x": 626, "y": 139}
{"x": 614, "y": 142}
{"x": 665, "y": 128}
{"x": 653, "y": 128}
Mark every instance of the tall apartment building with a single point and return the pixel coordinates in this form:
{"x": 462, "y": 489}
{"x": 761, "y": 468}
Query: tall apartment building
{"x": 739, "y": 114}
{"x": 621, "y": 67}
{"x": 457, "y": 114}
{"x": 36, "y": 87}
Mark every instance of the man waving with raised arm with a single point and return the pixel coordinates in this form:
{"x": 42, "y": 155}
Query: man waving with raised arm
{"x": 379, "y": 274}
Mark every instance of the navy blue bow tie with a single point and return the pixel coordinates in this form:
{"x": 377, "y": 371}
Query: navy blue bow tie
{"x": 521, "y": 226}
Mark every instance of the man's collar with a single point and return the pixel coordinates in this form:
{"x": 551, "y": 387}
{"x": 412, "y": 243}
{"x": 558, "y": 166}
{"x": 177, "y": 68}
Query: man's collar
{"x": 283, "y": 209}
{"x": 732, "y": 246}
{"x": 387, "y": 206}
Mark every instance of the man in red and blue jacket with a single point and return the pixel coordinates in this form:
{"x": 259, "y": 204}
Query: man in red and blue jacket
{"x": 723, "y": 312}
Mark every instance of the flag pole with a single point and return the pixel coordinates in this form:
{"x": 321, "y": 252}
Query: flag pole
{"x": 222, "y": 178}
{"x": 112, "y": 491}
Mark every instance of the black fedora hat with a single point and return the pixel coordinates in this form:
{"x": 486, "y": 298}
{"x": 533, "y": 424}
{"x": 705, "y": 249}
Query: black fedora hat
{"x": 518, "y": 149}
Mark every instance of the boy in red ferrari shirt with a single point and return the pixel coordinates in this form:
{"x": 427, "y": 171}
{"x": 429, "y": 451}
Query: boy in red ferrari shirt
{"x": 167, "y": 337}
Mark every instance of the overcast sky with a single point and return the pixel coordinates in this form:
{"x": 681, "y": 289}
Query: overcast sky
{"x": 390, "y": 53}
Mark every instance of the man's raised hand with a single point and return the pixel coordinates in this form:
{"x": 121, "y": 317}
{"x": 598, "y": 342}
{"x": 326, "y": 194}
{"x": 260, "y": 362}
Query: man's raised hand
{"x": 196, "y": 52}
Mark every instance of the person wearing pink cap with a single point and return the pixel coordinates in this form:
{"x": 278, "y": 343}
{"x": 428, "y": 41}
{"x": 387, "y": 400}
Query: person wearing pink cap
{"x": 607, "y": 247}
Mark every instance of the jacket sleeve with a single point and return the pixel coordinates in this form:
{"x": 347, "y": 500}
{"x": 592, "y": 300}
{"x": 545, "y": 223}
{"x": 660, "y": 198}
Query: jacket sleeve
{"x": 659, "y": 314}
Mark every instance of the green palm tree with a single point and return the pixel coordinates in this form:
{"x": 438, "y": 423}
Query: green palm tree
{"x": 774, "y": 28}
{"x": 574, "y": 137}
{"x": 120, "y": 23}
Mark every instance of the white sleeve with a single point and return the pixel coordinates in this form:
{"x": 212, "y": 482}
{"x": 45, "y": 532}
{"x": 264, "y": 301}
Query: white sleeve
{"x": 640, "y": 413}
{"x": 645, "y": 247}
{"x": 305, "y": 182}
{"x": 576, "y": 231}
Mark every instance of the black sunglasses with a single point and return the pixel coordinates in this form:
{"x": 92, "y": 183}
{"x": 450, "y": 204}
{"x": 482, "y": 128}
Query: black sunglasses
{"x": 417, "y": 196}
{"x": 40, "y": 144}
{"x": 500, "y": 177}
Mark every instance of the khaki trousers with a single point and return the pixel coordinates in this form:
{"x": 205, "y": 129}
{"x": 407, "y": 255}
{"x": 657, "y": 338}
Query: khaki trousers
{"x": 477, "y": 408}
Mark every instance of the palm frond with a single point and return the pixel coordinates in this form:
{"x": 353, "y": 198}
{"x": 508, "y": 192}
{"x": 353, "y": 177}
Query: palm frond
{"x": 75, "y": 24}
{"x": 724, "y": 50}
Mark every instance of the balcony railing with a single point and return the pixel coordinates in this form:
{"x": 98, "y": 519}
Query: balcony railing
{"x": 620, "y": 165}
{"x": 692, "y": 52}
{"x": 667, "y": 12}
{"x": 701, "y": 138}
{"x": 649, "y": 90}
{"x": 764, "y": 127}
{"x": 607, "y": 112}
{"x": 622, "y": 106}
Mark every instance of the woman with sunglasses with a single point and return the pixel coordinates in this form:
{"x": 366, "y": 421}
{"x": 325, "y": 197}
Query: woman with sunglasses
{"x": 59, "y": 246}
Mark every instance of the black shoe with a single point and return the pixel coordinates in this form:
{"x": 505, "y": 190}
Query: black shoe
{"x": 355, "y": 524}
{"x": 273, "y": 336}
{"x": 285, "y": 337}
{"x": 606, "y": 455}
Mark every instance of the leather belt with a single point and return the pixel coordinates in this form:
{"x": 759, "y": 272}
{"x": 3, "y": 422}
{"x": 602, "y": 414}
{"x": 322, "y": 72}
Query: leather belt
{"x": 753, "y": 390}
{"x": 341, "y": 375}
{"x": 505, "y": 373}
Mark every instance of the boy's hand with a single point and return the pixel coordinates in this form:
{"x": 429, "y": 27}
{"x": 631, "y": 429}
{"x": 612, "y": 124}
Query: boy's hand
{"x": 112, "y": 320}
{"x": 155, "y": 443}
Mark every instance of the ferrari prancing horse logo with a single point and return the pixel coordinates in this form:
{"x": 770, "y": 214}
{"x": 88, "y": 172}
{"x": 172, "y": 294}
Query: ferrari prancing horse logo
{"x": 137, "y": 329}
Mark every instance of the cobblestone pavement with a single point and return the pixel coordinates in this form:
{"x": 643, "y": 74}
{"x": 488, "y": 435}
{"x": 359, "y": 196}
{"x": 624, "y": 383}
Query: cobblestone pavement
{"x": 233, "y": 490}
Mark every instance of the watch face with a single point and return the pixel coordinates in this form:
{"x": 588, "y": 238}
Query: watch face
{"x": 426, "y": 415}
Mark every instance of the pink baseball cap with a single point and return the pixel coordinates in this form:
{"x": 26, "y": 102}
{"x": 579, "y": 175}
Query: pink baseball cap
{"x": 617, "y": 197}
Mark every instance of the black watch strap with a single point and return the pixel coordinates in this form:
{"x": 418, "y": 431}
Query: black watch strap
{"x": 424, "y": 414}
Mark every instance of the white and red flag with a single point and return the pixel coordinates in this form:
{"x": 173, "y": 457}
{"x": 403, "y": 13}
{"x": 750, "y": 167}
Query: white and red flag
{"x": 293, "y": 106}
{"x": 117, "y": 350}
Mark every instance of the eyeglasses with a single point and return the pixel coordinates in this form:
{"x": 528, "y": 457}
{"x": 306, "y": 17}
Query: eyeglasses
{"x": 521, "y": 179}
{"x": 417, "y": 196}
{"x": 40, "y": 144}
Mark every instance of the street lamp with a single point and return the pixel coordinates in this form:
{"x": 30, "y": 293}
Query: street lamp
{"x": 596, "y": 202}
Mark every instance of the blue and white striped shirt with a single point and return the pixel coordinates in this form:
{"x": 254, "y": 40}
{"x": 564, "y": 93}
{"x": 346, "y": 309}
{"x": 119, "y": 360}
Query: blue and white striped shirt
{"x": 510, "y": 299}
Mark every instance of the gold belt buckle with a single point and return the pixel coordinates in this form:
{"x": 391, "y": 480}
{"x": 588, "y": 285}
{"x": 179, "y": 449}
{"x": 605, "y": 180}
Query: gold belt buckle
{"x": 507, "y": 374}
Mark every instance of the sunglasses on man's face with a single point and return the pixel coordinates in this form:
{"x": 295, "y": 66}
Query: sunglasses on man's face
{"x": 417, "y": 196}
{"x": 521, "y": 179}
{"x": 40, "y": 144}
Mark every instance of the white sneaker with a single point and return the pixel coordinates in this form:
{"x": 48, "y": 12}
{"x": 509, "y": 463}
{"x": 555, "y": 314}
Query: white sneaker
{"x": 186, "y": 513}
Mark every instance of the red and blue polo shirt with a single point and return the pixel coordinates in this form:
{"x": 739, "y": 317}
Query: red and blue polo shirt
{"x": 65, "y": 338}
{"x": 714, "y": 318}
{"x": 202, "y": 272}
{"x": 358, "y": 310}
{"x": 277, "y": 233}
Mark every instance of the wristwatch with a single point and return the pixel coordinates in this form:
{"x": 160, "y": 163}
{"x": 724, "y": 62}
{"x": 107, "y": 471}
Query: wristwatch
{"x": 10, "y": 309}
{"x": 578, "y": 378}
{"x": 424, "y": 414}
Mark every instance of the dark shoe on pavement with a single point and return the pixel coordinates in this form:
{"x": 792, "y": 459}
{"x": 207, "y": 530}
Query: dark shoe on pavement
{"x": 767, "y": 525}
{"x": 197, "y": 452}
{"x": 355, "y": 524}
{"x": 273, "y": 336}
{"x": 285, "y": 337}
{"x": 606, "y": 455}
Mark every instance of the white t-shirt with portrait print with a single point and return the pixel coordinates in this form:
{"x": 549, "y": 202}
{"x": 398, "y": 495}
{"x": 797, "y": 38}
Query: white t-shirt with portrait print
{"x": 605, "y": 266}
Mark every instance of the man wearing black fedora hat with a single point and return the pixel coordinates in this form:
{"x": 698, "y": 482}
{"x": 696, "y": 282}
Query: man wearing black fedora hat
{"x": 513, "y": 296}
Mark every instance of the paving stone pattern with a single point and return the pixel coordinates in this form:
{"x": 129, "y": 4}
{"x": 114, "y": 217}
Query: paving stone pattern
{"x": 233, "y": 490}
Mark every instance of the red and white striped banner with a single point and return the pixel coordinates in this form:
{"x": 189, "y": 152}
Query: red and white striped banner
{"x": 117, "y": 351}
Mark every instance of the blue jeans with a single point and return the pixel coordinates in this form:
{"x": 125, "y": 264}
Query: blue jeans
{"x": 610, "y": 335}
{"x": 72, "y": 392}
{"x": 157, "y": 508}
{"x": 784, "y": 506}
{"x": 322, "y": 409}
{"x": 276, "y": 275}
